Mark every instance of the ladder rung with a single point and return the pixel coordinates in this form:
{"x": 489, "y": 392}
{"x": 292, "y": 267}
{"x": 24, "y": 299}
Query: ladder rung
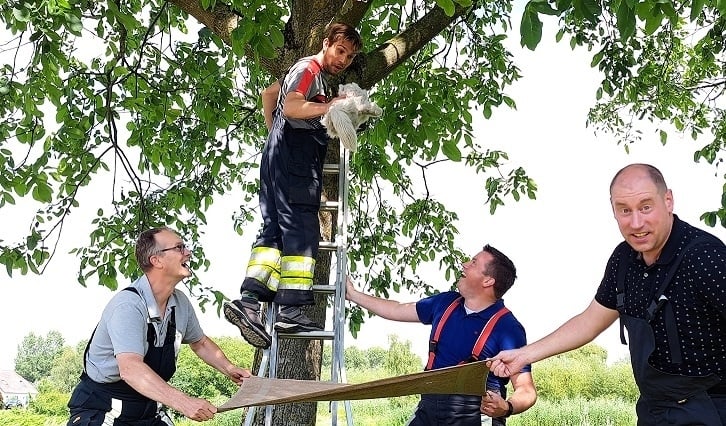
{"x": 329, "y": 205}
{"x": 330, "y": 168}
{"x": 327, "y": 245}
{"x": 320, "y": 334}
{"x": 324, "y": 289}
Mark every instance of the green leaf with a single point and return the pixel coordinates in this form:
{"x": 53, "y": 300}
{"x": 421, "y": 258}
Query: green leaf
{"x": 696, "y": 8}
{"x": 278, "y": 39}
{"x": 652, "y": 23}
{"x": 451, "y": 151}
{"x": 22, "y": 15}
{"x": 588, "y": 9}
{"x": 663, "y": 137}
{"x": 42, "y": 193}
{"x": 597, "y": 58}
{"x": 543, "y": 7}
{"x": 448, "y": 6}
{"x": 530, "y": 29}
{"x": 625, "y": 21}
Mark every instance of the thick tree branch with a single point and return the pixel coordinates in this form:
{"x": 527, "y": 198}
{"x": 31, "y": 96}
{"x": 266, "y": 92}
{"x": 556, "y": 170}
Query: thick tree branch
{"x": 383, "y": 60}
{"x": 304, "y": 32}
{"x": 221, "y": 20}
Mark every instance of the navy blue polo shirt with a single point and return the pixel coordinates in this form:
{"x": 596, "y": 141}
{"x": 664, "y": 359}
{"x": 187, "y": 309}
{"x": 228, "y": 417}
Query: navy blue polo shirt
{"x": 460, "y": 332}
{"x": 697, "y": 292}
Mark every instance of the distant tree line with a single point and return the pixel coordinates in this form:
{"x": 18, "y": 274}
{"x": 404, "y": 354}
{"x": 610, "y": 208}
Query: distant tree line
{"x": 580, "y": 379}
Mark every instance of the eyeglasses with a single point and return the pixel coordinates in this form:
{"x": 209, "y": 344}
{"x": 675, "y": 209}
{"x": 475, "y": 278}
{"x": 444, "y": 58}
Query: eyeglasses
{"x": 181, "y": 247}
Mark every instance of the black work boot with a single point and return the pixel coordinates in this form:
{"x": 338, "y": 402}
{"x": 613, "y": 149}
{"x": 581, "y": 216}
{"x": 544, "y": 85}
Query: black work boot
{"x": 246, "y": 316}
{"x": 291, "y": 319}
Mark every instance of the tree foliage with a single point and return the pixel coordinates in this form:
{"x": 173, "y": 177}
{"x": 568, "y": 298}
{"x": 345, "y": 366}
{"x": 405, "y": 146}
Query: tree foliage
{"x": 36, "y": 355}
{"x": 400, "y": 359}
{"x": 155, "y": 104}
{"x": 51, "y": 401}
{"x": 583, "y": 373}
{"x": 147, "y": 112}
{"x": 662, "y": 65}
{"x": 194, "y": 377}
{"x": 67, "y": 368}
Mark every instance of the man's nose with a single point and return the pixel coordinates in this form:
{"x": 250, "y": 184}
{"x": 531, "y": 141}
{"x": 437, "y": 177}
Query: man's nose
{"x": 636, "y": 220}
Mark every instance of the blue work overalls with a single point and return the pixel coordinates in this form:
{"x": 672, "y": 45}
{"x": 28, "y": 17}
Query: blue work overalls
{"x": 282, "y": 262}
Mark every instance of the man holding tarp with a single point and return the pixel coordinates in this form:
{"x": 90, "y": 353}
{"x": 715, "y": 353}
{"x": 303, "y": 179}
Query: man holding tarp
{"x": 468, "y": 325}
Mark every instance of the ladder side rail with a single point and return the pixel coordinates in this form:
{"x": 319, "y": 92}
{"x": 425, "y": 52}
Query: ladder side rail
{"x": 343, "y": 275}
{"x": 338, "y": 359}
{"x": 264, "y": 364}
{"x": 271, "y": 310}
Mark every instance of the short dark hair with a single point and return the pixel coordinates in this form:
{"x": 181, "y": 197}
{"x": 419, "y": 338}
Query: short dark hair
{"x": 655, "y": 175}
{"x": 502, "y": 269}
{"x": 338, "y": 31}
{"x": 146, "y": 246}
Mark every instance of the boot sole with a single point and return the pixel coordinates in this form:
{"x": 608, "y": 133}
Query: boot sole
{"x": 292, "y": 328}
{"x": 251, "y": 334}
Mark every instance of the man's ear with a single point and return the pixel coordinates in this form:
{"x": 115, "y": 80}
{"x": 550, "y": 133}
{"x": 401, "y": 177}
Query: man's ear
{"x": 154, "y": 260}
{"x": 487, "y": 281}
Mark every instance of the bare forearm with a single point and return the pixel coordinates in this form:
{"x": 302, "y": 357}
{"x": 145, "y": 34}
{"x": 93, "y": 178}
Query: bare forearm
{"x": 269, "y": 101}
{"x": 389, "y": 309}
{"x": 297, "y": 107}
{"x": 524, "y": 395}
{"x": 574, "y": 333}
{"x": 144, "y": 380}
{"x": 210, "y": 353}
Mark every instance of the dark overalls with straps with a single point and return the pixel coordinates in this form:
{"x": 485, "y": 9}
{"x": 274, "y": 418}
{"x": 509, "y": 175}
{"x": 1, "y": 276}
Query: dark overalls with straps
{"x": 665, "y": 399}
{"x": 118, "y": 404}
{"x": 291, "y": 183}
{"x": 452, "y": 409}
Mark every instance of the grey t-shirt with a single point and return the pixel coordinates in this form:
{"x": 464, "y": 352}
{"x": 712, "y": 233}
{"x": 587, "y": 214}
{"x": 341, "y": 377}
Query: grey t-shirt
{"x": 306, "y": 77}
{"x": 123, "y": 328}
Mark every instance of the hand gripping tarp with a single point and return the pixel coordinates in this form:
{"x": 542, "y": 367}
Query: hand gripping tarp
{"x": 464, "y": 379}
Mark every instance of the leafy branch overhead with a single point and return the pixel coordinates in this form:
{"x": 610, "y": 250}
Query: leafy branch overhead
{"x": 147, "y": 112}
{"x": 662, "y": 64}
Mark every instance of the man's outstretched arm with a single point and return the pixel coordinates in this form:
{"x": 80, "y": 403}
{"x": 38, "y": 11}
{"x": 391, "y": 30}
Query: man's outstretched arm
{"x": 576, "y": 332}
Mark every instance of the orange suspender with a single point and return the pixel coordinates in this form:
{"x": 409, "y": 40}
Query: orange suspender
{"x": 479, "y": 345}
{"x": 480, "y": 341}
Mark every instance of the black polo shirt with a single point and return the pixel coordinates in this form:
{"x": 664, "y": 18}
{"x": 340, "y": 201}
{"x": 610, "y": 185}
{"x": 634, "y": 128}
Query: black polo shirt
{"x": 697, "y": 292}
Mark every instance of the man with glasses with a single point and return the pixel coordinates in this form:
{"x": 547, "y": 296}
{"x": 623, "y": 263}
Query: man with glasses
{"x": 132, "y": 353}
{"x": 466, "y": 325}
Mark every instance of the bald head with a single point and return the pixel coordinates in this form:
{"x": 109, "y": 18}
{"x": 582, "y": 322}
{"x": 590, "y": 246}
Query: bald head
{"x": 643, "y": 208}
{"x": 651, "y": 172}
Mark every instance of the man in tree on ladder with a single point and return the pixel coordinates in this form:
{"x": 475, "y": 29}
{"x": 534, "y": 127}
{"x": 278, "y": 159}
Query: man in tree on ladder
{"x": 468, "y": 325}
{"x": 282, "y": 261}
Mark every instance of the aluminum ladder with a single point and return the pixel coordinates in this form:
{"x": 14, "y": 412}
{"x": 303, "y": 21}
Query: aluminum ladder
{"x": 269, "y": 361}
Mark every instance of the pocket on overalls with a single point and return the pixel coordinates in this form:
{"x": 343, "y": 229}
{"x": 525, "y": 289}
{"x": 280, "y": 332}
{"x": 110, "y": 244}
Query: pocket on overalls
{"x": 86, "y": 418}
{"x": 83, "y": 398}
{"x": 305, "y": 183}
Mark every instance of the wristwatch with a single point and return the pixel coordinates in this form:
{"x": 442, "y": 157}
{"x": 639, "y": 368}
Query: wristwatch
{"x": 510, "y": 410}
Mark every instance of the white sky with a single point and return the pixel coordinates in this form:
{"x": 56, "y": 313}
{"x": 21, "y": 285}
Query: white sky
{"x": 560, "y": 242}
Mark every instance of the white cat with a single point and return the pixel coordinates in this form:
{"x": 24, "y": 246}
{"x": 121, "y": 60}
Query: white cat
{"x": 346, "y": 115}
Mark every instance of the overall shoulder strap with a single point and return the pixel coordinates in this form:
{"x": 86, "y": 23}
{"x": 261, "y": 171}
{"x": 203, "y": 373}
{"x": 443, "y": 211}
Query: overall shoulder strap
{"x": 659, "y": 299}
{"x": 433, "y": 343}
{"x": 484, "y": 335}
{"x": 88, "y": 344}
